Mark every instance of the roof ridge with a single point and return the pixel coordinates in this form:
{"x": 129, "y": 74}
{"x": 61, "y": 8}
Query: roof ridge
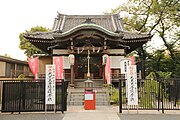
{"x": 60, "y": 14}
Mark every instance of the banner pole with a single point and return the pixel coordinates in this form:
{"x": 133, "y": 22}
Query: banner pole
{"x": 137, "y": 109}
{"x": 128, "y": 109}
{"x": 45, "y": 108}
{"x": 54, "y": 108}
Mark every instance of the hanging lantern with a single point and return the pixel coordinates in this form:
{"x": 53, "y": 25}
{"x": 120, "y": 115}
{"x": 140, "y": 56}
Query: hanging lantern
{"x": 104, "y": 59}
{"x": 71, "y": 59}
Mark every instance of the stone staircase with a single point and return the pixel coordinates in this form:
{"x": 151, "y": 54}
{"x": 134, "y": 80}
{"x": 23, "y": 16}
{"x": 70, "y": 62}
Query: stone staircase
{"x": 102, "y": 98}
{"x": 76, "y": 97}
{"x": 97, "y": 83}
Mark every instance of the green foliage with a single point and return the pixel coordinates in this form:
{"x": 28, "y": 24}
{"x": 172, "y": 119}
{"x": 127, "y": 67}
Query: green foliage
{"x": 151, "y": 76}
{"x": 114, "y": 94}
{"x": 149, "y": 88}
{"x": 26, "y": 45}
{"x": 160, "y": 17}
{"x": 165, "y": 75}
{"x": 21, "y": 76}
{"x": 163, "y": 65}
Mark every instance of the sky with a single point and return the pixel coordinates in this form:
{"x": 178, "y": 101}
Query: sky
{"x": 16, "y": 16}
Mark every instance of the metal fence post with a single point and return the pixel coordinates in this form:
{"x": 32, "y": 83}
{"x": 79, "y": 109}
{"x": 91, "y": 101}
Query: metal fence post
{"x": 162, "y": 99}
{"x": 20, "y": 95}
{"x": 177, "y": 92}
{"x": 159, "y": 88}
{"x": 120, "y": 96}
{"x": 23, "y": 97}
{"x": 65, "y": 95}
{"x": 63, "y": 92}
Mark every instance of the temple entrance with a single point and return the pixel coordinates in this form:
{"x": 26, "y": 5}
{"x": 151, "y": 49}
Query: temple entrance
{"x": 81, "y": 66}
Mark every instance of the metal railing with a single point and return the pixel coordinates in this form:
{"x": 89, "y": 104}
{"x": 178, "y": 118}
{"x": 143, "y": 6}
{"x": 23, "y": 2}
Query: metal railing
{"x": 159, "y": 94}
{"x": 29, "y": 95}
{"x": 117, "y": 76}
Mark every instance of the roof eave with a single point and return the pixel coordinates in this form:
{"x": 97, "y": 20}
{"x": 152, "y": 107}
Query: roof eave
{"x": 88, "y": 26}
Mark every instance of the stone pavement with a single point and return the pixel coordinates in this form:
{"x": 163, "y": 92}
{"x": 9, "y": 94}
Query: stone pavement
{"x": 101, "y": 113}
{"x": 31, "y": 116}
{"x": 149, "y": 115}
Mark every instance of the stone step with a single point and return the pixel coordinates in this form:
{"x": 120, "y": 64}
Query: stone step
{"x": 101, "y": 99}
{"x": 76, "y": 103}
{"x": 97, "y": 83}
{"x": 76, "y": 97}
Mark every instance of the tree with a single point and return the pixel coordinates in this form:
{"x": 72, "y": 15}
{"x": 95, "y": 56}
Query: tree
{"x": 26, "y": 45}
{"x": 161, "y": 17}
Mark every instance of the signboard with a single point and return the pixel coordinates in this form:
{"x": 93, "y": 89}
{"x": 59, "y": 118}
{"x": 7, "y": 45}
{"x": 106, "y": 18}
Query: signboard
{"x": 50, "y": 85}
{"x": 33, "y": 64}
{"x": 58, "y": 62}
{"x": 128, "y": 68}
{"x": 132, "y": 86}
{"x": 124, "y": 65}
{"x": 88, "y": 96}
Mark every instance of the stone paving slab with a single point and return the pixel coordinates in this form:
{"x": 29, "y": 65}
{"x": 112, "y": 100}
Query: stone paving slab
{"x": 149, "y": 117}
{"x": 31, "y": 116}
{"x": 169, "y": 112}
{"x": 101, "y": 113}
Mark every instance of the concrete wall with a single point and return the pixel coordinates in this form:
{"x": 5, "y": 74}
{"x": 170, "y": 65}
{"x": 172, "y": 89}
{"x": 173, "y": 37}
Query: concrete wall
{"x": 115, "y": 61}
{"x": 43, "y": 61}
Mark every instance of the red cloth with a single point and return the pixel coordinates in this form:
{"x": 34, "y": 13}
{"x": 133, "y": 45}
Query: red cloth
{"x": 33, "y": 64}
{"x": 58, "y": 62}
{"x": 132, "y": 60}
{"x": 108, "y": 71}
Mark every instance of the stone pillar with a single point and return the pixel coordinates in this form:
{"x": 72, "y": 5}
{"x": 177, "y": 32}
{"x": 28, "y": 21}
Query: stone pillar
{"x": 72, "y": 74}
{"x": 104, "y": 78}
{"x": 72, "y": 61}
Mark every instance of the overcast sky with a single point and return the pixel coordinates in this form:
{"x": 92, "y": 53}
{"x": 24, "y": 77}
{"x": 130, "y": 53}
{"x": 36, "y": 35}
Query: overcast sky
{"x": 16, "y": 16}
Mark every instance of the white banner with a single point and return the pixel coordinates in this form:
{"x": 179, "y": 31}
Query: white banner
{"x": 50, "y": 84}
{"x": 132, "y": 85}
{"x": 124, "y": 65}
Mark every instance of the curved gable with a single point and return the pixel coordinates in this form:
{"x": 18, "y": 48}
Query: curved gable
{"x": 88, "y": 27}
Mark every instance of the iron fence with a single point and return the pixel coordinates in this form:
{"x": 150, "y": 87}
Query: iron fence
{"x": 159, "y": 94}
{"x": 29, "y": 95}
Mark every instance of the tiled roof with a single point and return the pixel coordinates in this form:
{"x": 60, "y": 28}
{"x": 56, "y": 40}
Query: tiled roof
{"x": 48, "y": 37}
{"x": 128, "y": 36}
{"x": 66, "y": 22}
{"x": 12, "y": 60}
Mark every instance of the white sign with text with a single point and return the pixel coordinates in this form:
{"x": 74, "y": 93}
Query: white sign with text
{"x": 132, "y": 85}
{"x": 50, "y": 91}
